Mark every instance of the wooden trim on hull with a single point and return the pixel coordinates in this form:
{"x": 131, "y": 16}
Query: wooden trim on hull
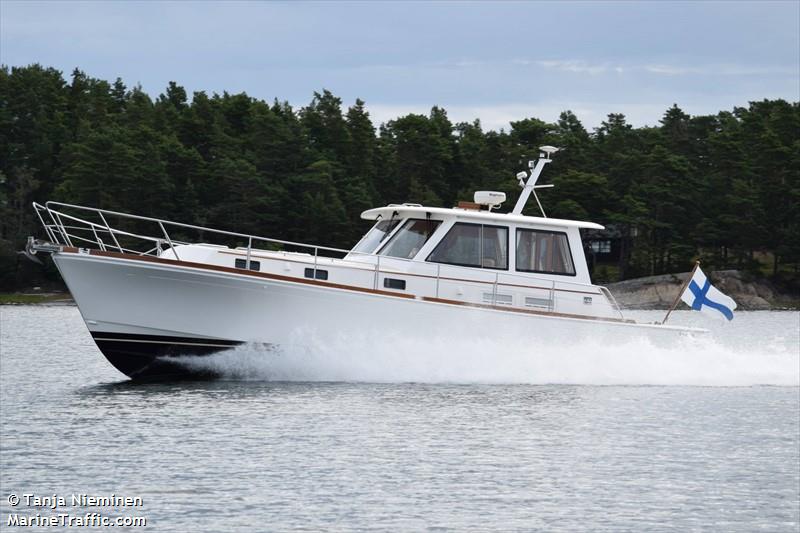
{"x": 304, "y": 281}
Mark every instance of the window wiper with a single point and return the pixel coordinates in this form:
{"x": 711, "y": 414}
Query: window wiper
{"x": 389, "y": 227}
{"x": 428, "y": 231}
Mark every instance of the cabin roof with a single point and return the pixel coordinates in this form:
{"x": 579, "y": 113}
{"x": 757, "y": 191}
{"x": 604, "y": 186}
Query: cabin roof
{"x": 486, "y": 217}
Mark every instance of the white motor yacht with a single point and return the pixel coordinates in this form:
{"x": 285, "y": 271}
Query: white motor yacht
{"x": 470, "y": 271}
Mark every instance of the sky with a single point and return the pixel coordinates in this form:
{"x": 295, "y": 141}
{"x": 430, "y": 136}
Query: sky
{"x": 496, "y": 61}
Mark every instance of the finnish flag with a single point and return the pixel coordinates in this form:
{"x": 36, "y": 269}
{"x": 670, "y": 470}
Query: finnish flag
{"x": 700, "y": 295}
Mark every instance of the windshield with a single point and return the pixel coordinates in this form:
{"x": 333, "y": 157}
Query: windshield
{"x": 376, "y": 235}
{"x": 410, "y": 238}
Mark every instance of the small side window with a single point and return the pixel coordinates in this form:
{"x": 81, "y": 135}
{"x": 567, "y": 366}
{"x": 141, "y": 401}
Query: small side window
{"x": 254, "y": 265}
{"x": 393, "y": 283}
{"x": 320, "y": 274}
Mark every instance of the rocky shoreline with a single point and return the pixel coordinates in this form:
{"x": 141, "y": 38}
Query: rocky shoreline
{"x": 659, "y": 292}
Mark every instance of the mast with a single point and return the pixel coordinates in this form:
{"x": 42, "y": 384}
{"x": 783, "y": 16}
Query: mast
{"x": 530, "y": 186}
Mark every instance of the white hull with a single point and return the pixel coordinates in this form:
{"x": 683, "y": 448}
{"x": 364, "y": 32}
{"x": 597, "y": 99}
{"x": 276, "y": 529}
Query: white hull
{"x": 138, "y": 310}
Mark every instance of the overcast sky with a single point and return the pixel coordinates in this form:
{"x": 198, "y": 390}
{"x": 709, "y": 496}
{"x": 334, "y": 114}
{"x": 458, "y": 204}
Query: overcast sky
{"x": 490, "y": 60}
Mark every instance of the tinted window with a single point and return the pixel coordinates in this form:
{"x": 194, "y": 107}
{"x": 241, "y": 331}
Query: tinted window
{"x": 254, "y": 265}
{"x": 544, "y": 251}
{"x": 461, "y": 246}
{"x": 410, "y": 238}
{"x": 319, "y": 274}
{"x": 473, "y": 245}
{"x": 494, "y": 253}
{"x": 376, "y": 235}
{"x": 392, "y": 283}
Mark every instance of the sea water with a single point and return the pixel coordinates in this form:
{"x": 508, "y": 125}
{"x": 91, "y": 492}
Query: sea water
{"x": 358, "y": 434}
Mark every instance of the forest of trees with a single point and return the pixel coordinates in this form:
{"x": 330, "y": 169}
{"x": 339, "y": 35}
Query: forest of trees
{"x": 724, "y": 188}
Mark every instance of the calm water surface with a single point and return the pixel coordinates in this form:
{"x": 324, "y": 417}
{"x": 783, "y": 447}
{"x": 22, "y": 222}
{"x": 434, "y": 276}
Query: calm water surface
{"x": 259, "y": 455}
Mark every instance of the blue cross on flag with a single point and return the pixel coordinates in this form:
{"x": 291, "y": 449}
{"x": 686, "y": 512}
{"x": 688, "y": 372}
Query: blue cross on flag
{"x": 700, "y": 295}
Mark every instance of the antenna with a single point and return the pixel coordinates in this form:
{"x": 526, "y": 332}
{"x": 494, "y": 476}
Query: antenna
{"x": 549, "y": 150}
{"x": 530, "y": 186}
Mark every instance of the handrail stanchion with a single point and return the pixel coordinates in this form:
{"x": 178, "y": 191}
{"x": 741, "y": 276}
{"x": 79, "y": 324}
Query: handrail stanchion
{"x": 612, "y": 301}
{"x": 97, "y": 239}
{"x": 249, "y": 247}
{"x": 377, "y": 272}
{"x": 438, "y": 275}
{"x": 494, "y": 289}
{"x": 316, "y": 252}
{"x": 552, "y": 304}
{"x": 171, "y": 246}
{"x": 63, "y": 230}
{"x": 47, "y": 229}
{"x": 55, "y": 224}
{"x": 110, "y": 231}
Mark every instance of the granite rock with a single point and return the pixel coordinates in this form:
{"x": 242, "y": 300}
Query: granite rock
{"x": 659, "y": 292}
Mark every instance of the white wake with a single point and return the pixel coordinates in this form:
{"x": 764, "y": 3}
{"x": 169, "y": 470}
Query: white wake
{"x": 756, "y": 359}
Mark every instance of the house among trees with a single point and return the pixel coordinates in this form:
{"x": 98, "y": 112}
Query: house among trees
{"x": 602, "y": 247}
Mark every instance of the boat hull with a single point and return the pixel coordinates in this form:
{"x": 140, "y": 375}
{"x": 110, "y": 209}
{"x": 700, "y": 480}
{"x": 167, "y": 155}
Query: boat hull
{"x": 157, "y": 357}
{"x": 146, "y": 315}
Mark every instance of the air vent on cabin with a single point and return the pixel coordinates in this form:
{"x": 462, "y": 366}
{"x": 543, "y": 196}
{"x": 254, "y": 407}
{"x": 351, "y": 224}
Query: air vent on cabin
{"x": 498, "y": 299}
{"x": 531, "y": 301}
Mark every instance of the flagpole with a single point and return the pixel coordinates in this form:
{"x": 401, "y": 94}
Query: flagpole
{"x": 680, "y": 292}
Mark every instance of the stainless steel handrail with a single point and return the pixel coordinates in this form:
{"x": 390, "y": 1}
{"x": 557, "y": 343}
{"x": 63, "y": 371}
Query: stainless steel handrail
{"x": 191, "y": 226}
{"x": 611, "y": 299}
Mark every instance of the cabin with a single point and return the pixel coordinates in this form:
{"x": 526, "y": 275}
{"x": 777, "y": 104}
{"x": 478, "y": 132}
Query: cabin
{"x": 490, "y": 241}
{"x": 471, "y": 255}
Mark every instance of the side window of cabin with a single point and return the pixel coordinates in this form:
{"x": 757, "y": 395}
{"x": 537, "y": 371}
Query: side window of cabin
{"x": 473, "y": 245}
{"x": 410, "y": 238}
{"x": 545, "y": 252}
